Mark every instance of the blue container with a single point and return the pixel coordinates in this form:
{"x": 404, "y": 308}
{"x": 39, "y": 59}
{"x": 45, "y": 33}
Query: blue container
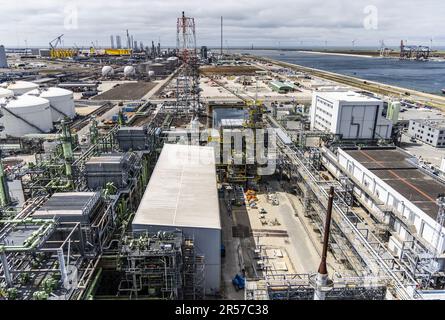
{"x": 129, "y": 109}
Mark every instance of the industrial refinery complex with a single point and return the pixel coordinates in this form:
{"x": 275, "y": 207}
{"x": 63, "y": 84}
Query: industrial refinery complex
{"x": 134, "y": 172}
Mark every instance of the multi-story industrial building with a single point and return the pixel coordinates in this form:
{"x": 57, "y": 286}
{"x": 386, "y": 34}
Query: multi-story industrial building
{"x": 349, "y": 115}
{"x": 398, "y": 193}
{"x": 429, "y": 131}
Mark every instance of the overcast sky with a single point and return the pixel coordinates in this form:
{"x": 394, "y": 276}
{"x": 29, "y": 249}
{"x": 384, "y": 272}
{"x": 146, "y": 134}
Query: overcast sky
{"x": 246, "y": 22}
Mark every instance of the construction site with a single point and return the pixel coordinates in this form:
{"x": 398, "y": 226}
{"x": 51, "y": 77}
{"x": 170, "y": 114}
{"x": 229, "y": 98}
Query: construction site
{"x": 187, "y": 174}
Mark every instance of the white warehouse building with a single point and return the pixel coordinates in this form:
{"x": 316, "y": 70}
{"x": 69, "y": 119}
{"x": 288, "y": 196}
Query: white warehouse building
{"x": 350, "y": 115}
{"x": 182, "y": 194}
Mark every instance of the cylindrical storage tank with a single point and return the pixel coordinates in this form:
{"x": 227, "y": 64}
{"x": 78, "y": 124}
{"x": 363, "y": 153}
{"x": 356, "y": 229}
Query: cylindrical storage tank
{"x": 5, "y": 93}
{"x": 24, "y": 115}
{"x": 157, "y": 68}
{"x": 61, "y": 103}
{"x": 151, "y": 74}
{"x": 129, "y": 71}
{"x": 141, "y": 68}
{"x": 172, "y": 62}
{"x": 21, "y": 87}
{"x": 107, "y": 71}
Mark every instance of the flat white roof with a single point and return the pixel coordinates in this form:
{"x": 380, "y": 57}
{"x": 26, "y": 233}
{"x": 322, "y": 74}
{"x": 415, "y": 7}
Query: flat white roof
{"x": 182, "y": 191}
{"x": 232, "y": 122}
{"x": 347, "y": 96}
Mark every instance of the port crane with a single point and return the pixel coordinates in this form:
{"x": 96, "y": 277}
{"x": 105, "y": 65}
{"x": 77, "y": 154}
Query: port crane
{"x": 54, "y": 43}
{"x": 416, "y": 52}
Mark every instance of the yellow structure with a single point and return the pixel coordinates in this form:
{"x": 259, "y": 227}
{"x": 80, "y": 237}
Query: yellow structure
{"x": 118, "y": 52}
{"x": 70, "y": 53}
{"x": 62, "y": 53}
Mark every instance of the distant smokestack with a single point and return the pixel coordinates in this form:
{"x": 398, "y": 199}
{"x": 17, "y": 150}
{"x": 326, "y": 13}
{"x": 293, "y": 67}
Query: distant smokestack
{"x": 118, "y": 42}
{"x": 221, "y": 35}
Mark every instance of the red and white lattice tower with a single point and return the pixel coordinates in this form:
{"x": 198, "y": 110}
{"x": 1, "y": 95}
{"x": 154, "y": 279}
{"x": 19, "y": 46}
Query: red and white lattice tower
{"x": 188, "y": 80}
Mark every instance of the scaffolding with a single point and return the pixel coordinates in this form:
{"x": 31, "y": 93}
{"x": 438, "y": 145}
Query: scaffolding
{"x": 40, "y": 259}
{"x": 187, "y": 82}
{"x": 353, "y": 238}
{"x": 151, "y": 266}
{"x": 160, "y": 266}
{"x": 193, "y": 271}
{"x": 302, "y": 287}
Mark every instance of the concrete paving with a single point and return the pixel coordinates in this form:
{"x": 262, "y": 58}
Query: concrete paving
{"x": 305, "y": 257}
{"x": 230, "y": 264}
{"x": 423, "y": 150}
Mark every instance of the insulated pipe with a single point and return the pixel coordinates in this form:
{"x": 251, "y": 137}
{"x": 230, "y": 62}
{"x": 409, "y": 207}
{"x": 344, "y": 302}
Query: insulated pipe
{"x": 67, "y": 151}
{"x": 374, "y": 129}
{"x": 8, "y": 277}
{"x": 322, "y": 276}
{"x": 4, "y": 190}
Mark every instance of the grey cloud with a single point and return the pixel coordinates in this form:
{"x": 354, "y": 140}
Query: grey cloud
{"x": 246, "y": 21}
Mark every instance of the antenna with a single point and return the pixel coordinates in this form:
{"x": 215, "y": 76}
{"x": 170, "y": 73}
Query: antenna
{"x": 221, "y": 35}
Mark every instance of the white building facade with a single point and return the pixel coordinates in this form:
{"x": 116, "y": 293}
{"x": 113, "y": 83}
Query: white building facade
{"x": 429, "y": 131}
{"x": 388, "y": 201}
{"x": 350, "y": 115}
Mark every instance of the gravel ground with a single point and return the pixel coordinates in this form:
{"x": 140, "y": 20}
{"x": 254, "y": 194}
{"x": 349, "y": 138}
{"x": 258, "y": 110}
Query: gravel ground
{"x": 127, "y": 91}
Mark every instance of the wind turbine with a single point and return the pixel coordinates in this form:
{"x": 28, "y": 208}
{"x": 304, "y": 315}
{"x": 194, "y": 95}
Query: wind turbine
{"x": 353, "y": 43}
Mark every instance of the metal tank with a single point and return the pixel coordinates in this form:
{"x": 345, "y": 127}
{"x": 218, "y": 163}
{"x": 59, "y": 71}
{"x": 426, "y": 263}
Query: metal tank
{"x": 157, "y": 68}
{"x": 107, "y": 71}
{"x": 5, "y": 93}
{"x": 129, "y": 71}
{"x": 61, "y": 103}
{"x": 21, "y": 87}
{"x": 25, "y": 115}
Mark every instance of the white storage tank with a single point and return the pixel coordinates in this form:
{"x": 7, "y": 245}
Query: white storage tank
{"x": 24, "y": 115}
{"x": 61, "y": 102}
{"x": 107, "y": 71}
{"x": 21, "y": 87}
{"x": 129, "y": 71}
{"x": 5, "y": 93}
{"x": 172, "y": 62}
{"x": 151, "y": 74}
